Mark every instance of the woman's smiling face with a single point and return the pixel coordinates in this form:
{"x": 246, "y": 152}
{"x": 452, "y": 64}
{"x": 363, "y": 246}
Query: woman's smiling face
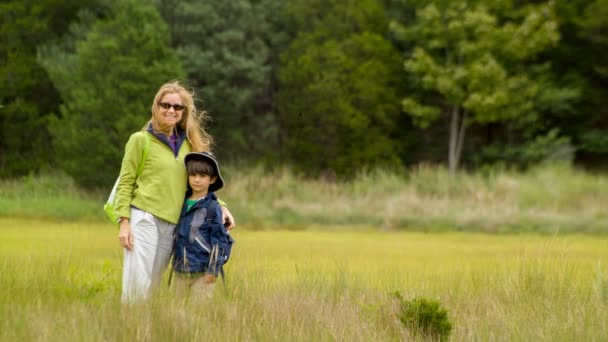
{"x": 168, "y": 118}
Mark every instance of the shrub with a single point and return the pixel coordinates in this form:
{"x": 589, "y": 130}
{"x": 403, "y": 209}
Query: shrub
{"x": 424, "y": 316}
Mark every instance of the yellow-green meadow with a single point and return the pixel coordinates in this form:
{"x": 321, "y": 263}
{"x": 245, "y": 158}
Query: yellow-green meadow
{"x": 62, "y": 281}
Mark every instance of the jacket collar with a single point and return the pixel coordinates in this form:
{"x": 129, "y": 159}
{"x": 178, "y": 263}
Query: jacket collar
{"x": 200, "y": 203}
{"x": 181, "y": 136}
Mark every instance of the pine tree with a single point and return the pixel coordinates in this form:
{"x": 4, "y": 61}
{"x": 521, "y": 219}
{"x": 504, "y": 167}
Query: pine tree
{"x": 107, "y": 72}
{"x": 224, "y": 47}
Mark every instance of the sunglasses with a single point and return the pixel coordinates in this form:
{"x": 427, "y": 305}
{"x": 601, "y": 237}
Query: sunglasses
{"x": 165, "y": 105}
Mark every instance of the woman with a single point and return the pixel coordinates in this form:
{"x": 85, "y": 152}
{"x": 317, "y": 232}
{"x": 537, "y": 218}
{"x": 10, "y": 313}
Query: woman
{"x": 149, "y": 205}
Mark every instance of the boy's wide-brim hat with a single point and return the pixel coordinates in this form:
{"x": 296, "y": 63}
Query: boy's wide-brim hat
{"x": 219, "y": 182}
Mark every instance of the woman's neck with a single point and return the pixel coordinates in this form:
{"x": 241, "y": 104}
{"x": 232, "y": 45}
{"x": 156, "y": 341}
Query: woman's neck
{"x": 168, "y": 131}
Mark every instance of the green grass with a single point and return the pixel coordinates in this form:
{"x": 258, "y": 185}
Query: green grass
{"x": 318, "y": 260}
{"x": 548, "y": 199}
{"x": 61, "y": 281}
{"x": 50, "y": 196}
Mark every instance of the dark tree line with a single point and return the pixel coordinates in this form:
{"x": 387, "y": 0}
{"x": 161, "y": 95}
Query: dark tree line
{"x": 330, "y": 87}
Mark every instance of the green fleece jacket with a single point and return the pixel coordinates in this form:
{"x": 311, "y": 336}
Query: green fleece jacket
{"x": 161, "y": 187}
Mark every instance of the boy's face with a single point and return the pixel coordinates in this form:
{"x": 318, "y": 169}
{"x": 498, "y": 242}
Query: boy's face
{"x": 200, "y": 183}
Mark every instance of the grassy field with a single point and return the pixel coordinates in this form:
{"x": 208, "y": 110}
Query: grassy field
{"x": 548, "y": 199}
{"x": 61, "y": 281}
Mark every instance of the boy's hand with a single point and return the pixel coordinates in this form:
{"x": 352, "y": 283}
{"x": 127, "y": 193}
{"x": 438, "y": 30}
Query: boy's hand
{"x": 209, "y": 278}
{"x": 227, "y": 219}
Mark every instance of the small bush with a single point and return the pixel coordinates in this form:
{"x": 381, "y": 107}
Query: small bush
{"x": 424, "y": 316}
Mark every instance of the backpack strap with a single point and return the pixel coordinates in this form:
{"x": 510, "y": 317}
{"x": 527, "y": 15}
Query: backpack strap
{"x": 210, "y": 212}
{"x": 144, "y": 155}
{"x": 110, "y": 203}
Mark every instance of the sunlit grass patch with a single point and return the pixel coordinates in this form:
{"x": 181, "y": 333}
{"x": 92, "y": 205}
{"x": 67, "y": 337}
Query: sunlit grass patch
{"x": 62, "y": 281}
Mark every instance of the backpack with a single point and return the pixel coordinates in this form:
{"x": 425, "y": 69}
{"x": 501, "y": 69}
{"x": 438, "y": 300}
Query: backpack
{"x": 108, "y": 208}
{"x": 228, "y": 248}
{"x": 196, "y": 249}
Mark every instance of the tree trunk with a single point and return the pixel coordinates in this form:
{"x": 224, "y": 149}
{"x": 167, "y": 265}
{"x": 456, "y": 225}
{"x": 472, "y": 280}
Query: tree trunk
{"x": 457, "y": 132}
{"x": 461, "y": 133}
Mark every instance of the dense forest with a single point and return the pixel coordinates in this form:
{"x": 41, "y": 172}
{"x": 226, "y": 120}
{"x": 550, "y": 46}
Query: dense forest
{"x": 329, "y": 87}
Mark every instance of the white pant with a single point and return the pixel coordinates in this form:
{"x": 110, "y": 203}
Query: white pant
{"x": 145, "y": 264}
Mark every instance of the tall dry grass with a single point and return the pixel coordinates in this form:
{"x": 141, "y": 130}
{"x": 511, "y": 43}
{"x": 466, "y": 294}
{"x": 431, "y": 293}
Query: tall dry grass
{"x": 61, "y": 281}
{"x": 547, "y": 199}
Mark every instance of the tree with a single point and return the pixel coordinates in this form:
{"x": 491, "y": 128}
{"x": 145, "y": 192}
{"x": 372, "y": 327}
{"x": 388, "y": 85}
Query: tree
{"x": 473, "y": 68}
{"x": 107, "y": 72}
{"x": 339, "y": 82}
{"x": 224, "y": 47}
{"x": 582, "y": 58}
{"x": 27, "y": 96}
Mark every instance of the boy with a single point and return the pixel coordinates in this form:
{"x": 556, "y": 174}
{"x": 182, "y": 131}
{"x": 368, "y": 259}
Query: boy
{"x": 202, "y": 244}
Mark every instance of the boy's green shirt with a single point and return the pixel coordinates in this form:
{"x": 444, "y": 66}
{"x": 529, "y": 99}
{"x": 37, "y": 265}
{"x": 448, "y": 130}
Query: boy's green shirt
{"x": 162, "y": 185}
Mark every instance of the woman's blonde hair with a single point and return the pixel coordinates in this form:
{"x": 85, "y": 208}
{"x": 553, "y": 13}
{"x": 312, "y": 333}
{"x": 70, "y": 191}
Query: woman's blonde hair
{"x": 192, "y": 121}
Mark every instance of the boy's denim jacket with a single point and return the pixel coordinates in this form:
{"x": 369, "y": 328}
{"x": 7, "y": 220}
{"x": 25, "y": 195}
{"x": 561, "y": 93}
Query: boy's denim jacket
{"x": 201, "y": 240}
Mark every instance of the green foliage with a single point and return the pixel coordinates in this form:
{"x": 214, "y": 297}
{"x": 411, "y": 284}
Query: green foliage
{"x": 466, "y": 60}
{"x": 335, "y": 19}
{"x": 282, "y": 79}
{"x": 224, "y": 47}
{"x": 549, "y": 148}
{"x": 424, "y": 316}
{"x": 595, "y": 141}
{"x": 339, "y": 90}
{"x": 27, "y": 96}
{"x": 24, "y": 138}
{"x": 581, "y": 59}
{"x": 594, "y": 25}
{"x": 469, "y": 64}
{"x": 107, "y": 72}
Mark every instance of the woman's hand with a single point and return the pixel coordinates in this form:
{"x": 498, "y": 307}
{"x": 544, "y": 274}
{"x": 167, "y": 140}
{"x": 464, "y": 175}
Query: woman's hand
{"x": 125, "y": 234}
{"x": 228, "y": 219}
